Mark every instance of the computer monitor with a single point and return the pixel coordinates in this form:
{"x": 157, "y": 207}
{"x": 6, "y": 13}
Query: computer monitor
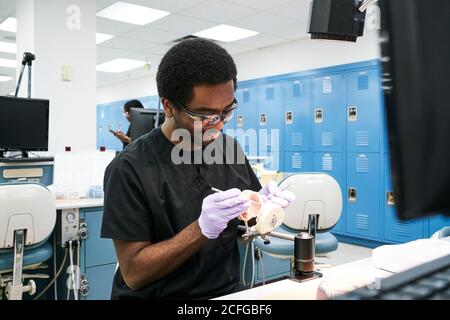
{"x": 143, "y": 121}
{"x": 23, "y": 124}
{"x": 415, "y": 41}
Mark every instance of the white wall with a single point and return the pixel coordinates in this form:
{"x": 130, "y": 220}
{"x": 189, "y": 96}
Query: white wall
{"x": 43, "y": 28}
{"x": 305, "y": 55}
{"x": 135, "y": 88}
{"x": 289, "y": 57}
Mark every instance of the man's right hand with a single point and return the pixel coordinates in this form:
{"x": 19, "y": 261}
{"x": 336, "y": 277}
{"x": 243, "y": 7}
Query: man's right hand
{"x": 122, "y": 137}
{"x": 218, "y": 209}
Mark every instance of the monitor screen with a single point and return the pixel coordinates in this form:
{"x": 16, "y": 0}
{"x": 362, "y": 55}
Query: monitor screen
{"x": 24, "y": 124}
{"x": 415, "y": 43}
{"x": 143, "y": 121}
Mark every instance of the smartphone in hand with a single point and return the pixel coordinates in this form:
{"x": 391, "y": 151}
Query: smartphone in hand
{"x": 113, "y": 132}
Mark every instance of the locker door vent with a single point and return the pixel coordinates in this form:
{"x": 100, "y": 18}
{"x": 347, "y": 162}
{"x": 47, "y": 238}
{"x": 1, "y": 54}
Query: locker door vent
{"x": 403, "y": 229}
{"x": 246, "y": 96}
{"x": 297, "y": 90}
{"x": 363, "y": 82}
{"x": 327, "y": 163}
{"x": 327, "y": 85}
{"x": 297, "y": 162}
{"x": 297, "y": 139}
{"x": 327, "y": 139}
{"x": 270, "y": 93}
{"x": 362, "y": 164}
{"x": 362, "y": 221}
{"x": 362, "y": 138}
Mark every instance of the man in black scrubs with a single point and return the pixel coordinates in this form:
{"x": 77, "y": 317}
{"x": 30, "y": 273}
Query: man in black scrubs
{"x": 126, "y": 137}
{"x": 174, "y": 237}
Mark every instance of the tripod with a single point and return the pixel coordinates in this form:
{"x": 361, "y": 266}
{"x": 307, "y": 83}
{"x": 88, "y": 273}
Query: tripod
{"x": 27, "y": 60}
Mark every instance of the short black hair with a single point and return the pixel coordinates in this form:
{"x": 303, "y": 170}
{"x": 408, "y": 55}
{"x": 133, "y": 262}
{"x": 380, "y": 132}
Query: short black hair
{"x": 132, "y": 104}
{"x": 190, "y": 63}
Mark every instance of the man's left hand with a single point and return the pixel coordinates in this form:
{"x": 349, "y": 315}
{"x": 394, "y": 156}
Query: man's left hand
{"x": 272, "y": 192}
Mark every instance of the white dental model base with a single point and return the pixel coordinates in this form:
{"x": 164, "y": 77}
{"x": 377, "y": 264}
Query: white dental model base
{"x": 268, "y": 214}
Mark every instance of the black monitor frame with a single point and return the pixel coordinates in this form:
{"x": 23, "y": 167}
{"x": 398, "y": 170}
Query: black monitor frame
{"x": 20, "y": 143}
{"x": 142, "y": 121}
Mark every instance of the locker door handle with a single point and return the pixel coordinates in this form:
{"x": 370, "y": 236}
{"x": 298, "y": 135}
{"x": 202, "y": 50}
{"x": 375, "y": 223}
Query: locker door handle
{"x": 390, "y": 201}
{"x": 262, "y": 119}
{"x": 352, "y": 113}
{"x": 289, "y": 117}
{"x": 318, "y": 115}
{"x": 240, "y": 121}
{"x": 352, "y": 194}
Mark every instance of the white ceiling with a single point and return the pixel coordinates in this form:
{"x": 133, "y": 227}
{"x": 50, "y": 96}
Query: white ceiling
{"x": 277, "y": 21}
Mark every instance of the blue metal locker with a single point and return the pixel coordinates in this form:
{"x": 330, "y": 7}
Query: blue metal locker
{"x": 297, "y": 110}
{"x": 270, "y": 114}
{"x": 100, "y": 126}
{"x": 100, "y": 281}
{"x": 98, "y": 251}
{"x": 363, "y": 195}
{"x": 111, "y": 123}
{"x": 363, "y": 110}
{"x": 436, "y": 223}
{"x": 394, "y": 229}
{"x": 246, "y": 121}
{"x": 333, "y": 164}
{"x": 327, "y": 115}
{"x": 274, "y": 160}
{"x": 297, "y": 161}
{"x": 384, "y": 129}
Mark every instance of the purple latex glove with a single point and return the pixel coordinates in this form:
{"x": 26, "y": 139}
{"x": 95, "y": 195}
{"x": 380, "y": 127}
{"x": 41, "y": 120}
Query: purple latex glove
{"x": 218, "y": 209}
{"x": 272, "y": 192}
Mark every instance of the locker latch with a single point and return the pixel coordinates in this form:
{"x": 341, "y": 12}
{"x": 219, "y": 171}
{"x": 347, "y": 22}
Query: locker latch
{"x": 352, "y": 113}
{"x": 390, "y": 199}
{"x": 318, "y": 115}
{"x": 289, "y": 117}
{"x": 352, "y": 194}
{"x": 262, "y": 119}
{"x": 240, "y": 121}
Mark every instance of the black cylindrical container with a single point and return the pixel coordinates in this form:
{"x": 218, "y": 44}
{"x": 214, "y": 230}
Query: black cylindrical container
{"x": 304, "y": 249}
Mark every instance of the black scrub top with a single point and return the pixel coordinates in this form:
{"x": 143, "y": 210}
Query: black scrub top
{"x": 149, "y": 198}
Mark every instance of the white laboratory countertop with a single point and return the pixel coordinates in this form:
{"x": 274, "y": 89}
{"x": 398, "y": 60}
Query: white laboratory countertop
{"x": 359, "y": 273}
{"x": 78, "y": 203}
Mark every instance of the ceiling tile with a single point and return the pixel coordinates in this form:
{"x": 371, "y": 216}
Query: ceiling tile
{"x": 7, "y": 8}
{"x": 294, "y": 32}
{"x": 149, "y": 33}
{"x": 259, "y": 4}
{"x": 102, "y": 4}
{"x": 115, "y": 28}
{"x": 7, "y": 36}
{"x": 235, "y": 48}
{"x": 219, "y": 11}
{"x": 152, "y": 58}
{"x": 171, "y": 6}
{"x": 182, "y": 24}
{"x": 156, "y": 49}
{"x": 105, "y": 54}
{"x": 7, "y": 55}
{"x": 8, "y": 72}
{"x": 126, "y": 44}
{"x": 266, "y": 22}
{"x": 261, "y": 41}
{"x": 298, "y": 9}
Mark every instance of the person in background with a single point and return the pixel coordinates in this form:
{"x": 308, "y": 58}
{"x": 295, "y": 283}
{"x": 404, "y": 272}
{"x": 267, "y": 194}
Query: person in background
{"x": 125, "y": 137}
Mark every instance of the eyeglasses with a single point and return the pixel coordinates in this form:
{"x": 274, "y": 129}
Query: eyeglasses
{"x": 212, "y": 119}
